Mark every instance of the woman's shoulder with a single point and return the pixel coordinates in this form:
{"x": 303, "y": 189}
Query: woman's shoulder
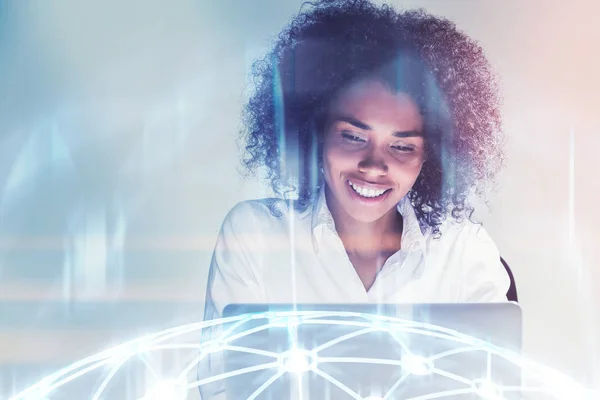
{"x": 464, "y": 228}
{"x": 468, "y": 248}
{"x": 465, "y": 237}
{"x": 266, "y": 213}
{"x": 252, "y": 207}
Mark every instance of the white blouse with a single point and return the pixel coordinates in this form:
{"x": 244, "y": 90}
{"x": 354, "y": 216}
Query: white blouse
{"x": 298, "y": 257}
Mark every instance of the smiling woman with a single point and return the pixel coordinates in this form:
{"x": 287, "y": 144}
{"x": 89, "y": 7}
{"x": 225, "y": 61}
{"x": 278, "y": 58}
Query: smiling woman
{"x": 380, "y": 124}
{"x": 375, "y": 126}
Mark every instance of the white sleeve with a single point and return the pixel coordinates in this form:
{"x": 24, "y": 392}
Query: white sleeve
{"x": 235, "y": 270}
{"x": 234, "y": 277}
{"x": 484, "y": 277}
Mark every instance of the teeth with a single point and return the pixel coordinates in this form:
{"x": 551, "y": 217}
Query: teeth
{"x": 366, "y": 192}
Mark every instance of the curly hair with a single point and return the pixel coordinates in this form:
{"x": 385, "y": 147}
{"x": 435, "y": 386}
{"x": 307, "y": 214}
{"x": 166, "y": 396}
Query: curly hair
{"x": 332, "y": 43}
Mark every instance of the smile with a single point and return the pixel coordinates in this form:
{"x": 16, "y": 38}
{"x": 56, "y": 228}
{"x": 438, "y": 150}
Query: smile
{"x": 366, "y": 192}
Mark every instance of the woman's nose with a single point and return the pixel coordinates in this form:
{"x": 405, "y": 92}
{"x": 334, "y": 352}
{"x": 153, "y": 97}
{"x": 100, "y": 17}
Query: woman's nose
{"x": 373, "y": 165}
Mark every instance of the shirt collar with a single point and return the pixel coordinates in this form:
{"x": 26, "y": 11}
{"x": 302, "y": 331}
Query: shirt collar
{"x": 412, "y": 234}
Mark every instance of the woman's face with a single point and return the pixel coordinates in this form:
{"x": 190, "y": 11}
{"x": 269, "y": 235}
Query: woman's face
{"x": 373, "y": 150}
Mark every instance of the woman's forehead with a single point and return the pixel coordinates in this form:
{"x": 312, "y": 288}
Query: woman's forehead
{"x": 371, "y": 99}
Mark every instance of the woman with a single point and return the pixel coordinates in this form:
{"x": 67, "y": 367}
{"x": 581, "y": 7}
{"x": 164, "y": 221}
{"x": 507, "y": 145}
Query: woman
{"x": 382, "y": 124}
{"x": 375, "y": 128}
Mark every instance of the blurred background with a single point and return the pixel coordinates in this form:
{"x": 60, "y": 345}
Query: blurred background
{"x": 119, "y": 160}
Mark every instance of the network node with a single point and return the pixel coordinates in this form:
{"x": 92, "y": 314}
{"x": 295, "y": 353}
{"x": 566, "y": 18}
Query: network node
{"x": 297, "y": 361}
{"x": 417, "y": 365}
{"x": 214, "y": 347}
{"x": 171, "y": 389}
{"x": 487, "y": 389}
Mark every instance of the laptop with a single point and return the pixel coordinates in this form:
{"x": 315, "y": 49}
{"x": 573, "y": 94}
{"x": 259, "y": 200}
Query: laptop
{"x": 389, "y": 351}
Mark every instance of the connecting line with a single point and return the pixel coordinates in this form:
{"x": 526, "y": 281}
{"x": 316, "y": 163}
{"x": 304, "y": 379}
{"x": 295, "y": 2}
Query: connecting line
{"x": 311, "y": 315}
{"x": 252, "y": 351}
{"x": 392, "y": 323}
{"x": 68, "y": 379}
{"x": 403, "y": 345}
{"x": 336, "y": 322}
{"x": 192, "y": 346}
{"x": 142, "y": 357}
{"x": 237, "y": 325}
{"x": 452, "y": 376}
{"x": 443, "y": 333}
{"x": 443, "y": 336}
{"x": 439, "y": 395}
{"x": 169, "y": 333}
{"x": 343, "y": 338}
{"x": 192, "y": 365}
{"x": 337, "y": 383}
{"x": 360, "y": 360}
{"x": 249, "y": 350}
{"x": 231, "y": 374}
{"x": 251, "y": 331}
{"x": 182, "y": 330}
{"x": 396, "y": 386}
{"x": 107, "y": 379}
{"x": 265, "y": 385}
{"x": 102, "y": 358}
{"x": 292, "y": 331}
{"x": 345, "y": 314}
{"x": 453, "y": 352}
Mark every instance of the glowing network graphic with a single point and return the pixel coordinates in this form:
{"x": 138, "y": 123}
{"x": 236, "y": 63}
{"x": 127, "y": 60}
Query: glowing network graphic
{"x": 169, "y": 362}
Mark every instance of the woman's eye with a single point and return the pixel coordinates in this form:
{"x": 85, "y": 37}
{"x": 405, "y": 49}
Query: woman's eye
{"x": 404, "y": 149}
{"x": 352, "y": 137}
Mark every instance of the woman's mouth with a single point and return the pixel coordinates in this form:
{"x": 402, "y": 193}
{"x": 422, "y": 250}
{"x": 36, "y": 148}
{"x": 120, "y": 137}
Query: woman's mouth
{"x": 368, "y": 193}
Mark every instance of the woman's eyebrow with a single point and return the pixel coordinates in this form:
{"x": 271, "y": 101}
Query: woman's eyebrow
{"x": 365, "y": 127}
{"x": 354, "y": 122}
{"x": 405, "y": 134}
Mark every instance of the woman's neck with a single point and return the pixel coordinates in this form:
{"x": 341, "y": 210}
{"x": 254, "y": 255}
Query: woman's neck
{"x": 368, "y": 239}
